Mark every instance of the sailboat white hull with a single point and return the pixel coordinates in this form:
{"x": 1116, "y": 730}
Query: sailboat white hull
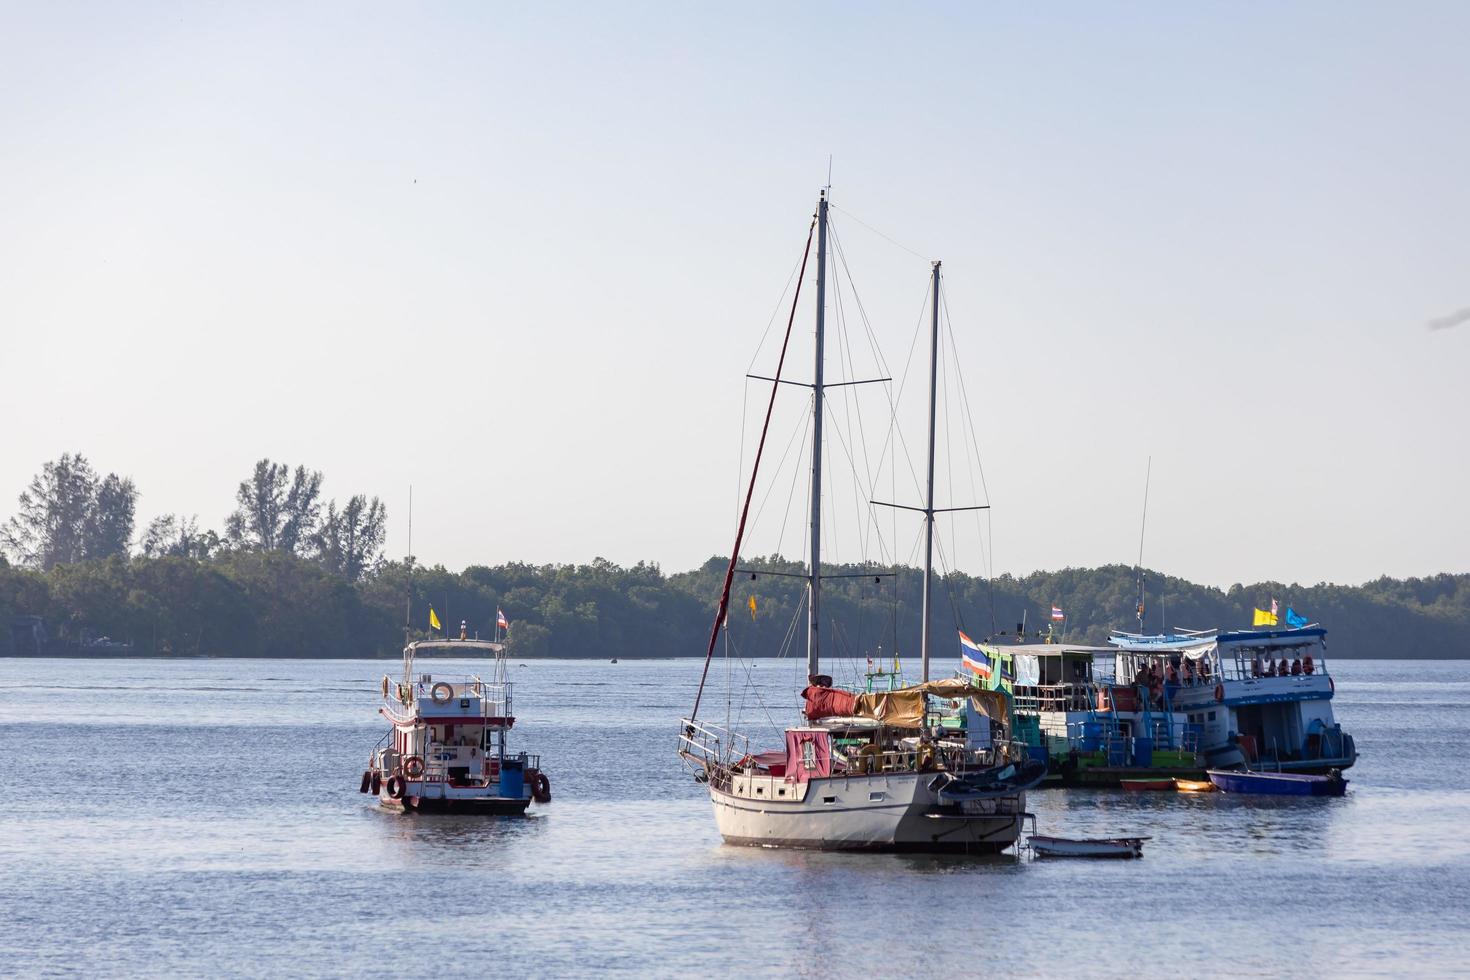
{"x": 880, "y": 812}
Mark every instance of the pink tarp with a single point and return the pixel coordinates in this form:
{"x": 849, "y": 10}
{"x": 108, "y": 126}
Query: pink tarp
{"x": 808, "y": 754}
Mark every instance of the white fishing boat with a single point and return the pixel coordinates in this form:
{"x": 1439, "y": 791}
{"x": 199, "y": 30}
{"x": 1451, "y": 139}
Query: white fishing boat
{"x": 447, "y": 750}
{"x": 873, "y": 770}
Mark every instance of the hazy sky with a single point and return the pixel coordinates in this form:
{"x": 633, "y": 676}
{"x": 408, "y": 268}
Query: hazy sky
{"x": 520, "y": 256}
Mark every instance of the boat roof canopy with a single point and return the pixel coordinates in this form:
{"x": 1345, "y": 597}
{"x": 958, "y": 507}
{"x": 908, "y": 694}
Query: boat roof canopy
{"x": 1047, "y": 649}
{"x": 456, "y": 646}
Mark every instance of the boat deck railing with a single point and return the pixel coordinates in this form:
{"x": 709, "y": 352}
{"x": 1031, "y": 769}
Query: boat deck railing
{"x": 1242, "y": 669}
{"x": 438, "y": 762}
{"x": 1053, "y": 697}
{"x": 706, "y": 745}
{"x": 494, "y": 697}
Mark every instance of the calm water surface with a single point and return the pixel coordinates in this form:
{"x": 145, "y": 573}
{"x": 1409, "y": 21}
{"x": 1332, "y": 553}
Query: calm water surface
{"x": 202, "y": 818}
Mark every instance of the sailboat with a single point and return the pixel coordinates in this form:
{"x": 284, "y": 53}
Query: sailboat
{"x": 870, "y": 770}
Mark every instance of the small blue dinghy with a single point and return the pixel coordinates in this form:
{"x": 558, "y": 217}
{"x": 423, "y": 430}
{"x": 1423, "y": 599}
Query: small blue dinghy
{"x": 1278, "y": 783}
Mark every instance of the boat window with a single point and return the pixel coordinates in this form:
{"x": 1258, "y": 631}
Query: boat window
{"x": 808, "y": 755}
{"x": 829, "y": 800}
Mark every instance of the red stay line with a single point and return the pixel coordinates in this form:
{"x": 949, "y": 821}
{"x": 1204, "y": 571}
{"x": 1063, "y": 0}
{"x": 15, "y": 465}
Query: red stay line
{"x": 714, "y": 633}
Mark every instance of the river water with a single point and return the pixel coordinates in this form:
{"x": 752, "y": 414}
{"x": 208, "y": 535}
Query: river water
{"x": 201, "y": 817}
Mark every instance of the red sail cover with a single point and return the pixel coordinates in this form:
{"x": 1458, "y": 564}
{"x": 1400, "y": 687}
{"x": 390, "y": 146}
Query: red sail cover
{"x": 827, "y": 702}
{"x": 808, "y": 754}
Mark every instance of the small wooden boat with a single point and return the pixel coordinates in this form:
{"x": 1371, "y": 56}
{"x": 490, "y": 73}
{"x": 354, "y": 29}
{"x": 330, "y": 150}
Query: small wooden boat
{"x": 1088, "y": 847}
{"x": 1279, "y": 783}
{"x": 1155, "y": 785}
{"x": 1194, "y": 786}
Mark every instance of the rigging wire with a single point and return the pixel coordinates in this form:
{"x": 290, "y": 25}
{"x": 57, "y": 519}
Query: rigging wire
{"x": 880, "y": 234}
{"x": 724, "y": 605}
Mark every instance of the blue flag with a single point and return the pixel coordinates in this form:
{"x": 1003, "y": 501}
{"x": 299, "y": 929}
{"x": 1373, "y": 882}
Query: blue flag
{"x": 1295, "y": 619}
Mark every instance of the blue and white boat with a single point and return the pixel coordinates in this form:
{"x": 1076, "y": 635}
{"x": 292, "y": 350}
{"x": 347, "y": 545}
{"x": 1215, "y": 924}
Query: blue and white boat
{"x": 1278, "y": 783}
{"x": 1259, "y": 698}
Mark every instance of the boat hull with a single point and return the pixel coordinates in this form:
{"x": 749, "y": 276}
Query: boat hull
{"x": 877, "y": 812}
{"x": 1278, "y": 783}
{"x": 1113, "y": 847}
{"x": 484, "y": 807}
{"x": 436, "y": 798}
{"x": 1149, "y": 785}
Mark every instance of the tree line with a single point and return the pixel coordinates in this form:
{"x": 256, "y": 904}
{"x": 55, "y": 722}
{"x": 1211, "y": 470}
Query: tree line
{"x": 291, "y": 575}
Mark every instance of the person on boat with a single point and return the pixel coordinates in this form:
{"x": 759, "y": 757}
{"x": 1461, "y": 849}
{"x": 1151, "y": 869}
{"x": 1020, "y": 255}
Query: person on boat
{"x": 1173, "y": 674}
{"x": 1296, "y": 667}
{"x": 464, "y": 630}
{"x": 1256, "y": 666}
{"x": 1204, "y": 672}
{"x": 1270, "y": 668}
{"x": 1156, "y": 684}
{"x": 1307, "y": 665}
{"x": 1189, "y": 678}
{"x": 1284, "y": 668}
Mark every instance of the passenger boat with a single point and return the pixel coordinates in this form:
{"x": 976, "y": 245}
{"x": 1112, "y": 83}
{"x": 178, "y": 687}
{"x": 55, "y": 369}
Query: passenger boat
{"x": 1278, "y": 783}
{"x": 446, "y": 750}
{"x": 1092, "y": 714}
{"x": 867, "y": 770}
{"x": 1237, "y": 712}
{"x": 1088, "y": 847}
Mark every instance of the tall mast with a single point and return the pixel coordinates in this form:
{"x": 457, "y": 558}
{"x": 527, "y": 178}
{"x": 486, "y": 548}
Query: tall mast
{"x": 814, "y": 582}
{"x": 929, "y": 496}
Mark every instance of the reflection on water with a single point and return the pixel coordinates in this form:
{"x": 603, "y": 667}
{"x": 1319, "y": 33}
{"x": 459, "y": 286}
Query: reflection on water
{"x": 202, "y": 817}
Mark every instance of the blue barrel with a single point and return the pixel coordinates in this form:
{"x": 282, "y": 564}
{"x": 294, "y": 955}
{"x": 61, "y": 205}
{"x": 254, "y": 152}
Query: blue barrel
{"x": 512, "y": 779}
{"x": 1143, "y": 751}
{"x": 1091, "y": 736}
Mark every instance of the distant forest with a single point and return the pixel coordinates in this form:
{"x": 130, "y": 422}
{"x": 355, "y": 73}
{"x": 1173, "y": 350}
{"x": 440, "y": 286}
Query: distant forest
{"x": 290, "y": 575}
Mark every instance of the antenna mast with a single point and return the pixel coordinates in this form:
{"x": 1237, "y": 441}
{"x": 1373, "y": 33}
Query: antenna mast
{"x": 408, "y": 602}
{"x": 1143, "y": 526}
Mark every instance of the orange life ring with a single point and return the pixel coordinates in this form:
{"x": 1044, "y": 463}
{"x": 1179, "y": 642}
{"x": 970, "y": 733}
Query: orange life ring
{"x": 540, "y": 786}
{"x": 1219, "y": 692}
{"x": 448, "y": 692}
{"x": 413, "y": 767}
{"x": 395, "y": 787}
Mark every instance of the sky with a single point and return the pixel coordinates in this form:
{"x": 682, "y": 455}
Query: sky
{"x": 520, "y": 257}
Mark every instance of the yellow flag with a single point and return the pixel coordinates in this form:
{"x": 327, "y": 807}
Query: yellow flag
{"x": 434, "y": 619}
{"x": 1264, "y": 618}
{"x": 752, "y": 607}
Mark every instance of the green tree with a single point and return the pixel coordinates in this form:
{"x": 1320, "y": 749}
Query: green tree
{"x": 67, "y": 514}
{"x": 276, "y": 509}
{"x": 350, "y": 541}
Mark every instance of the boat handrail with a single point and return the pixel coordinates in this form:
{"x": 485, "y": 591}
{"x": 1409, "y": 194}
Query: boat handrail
{"x": 1054, "y": 697}
{"x": 710, "y": 744}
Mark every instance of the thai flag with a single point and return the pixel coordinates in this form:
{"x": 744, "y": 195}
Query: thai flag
{"x": 973, "y": 657}
{"x": 500, "y": 620}
{"x": 1057, "y": 614}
